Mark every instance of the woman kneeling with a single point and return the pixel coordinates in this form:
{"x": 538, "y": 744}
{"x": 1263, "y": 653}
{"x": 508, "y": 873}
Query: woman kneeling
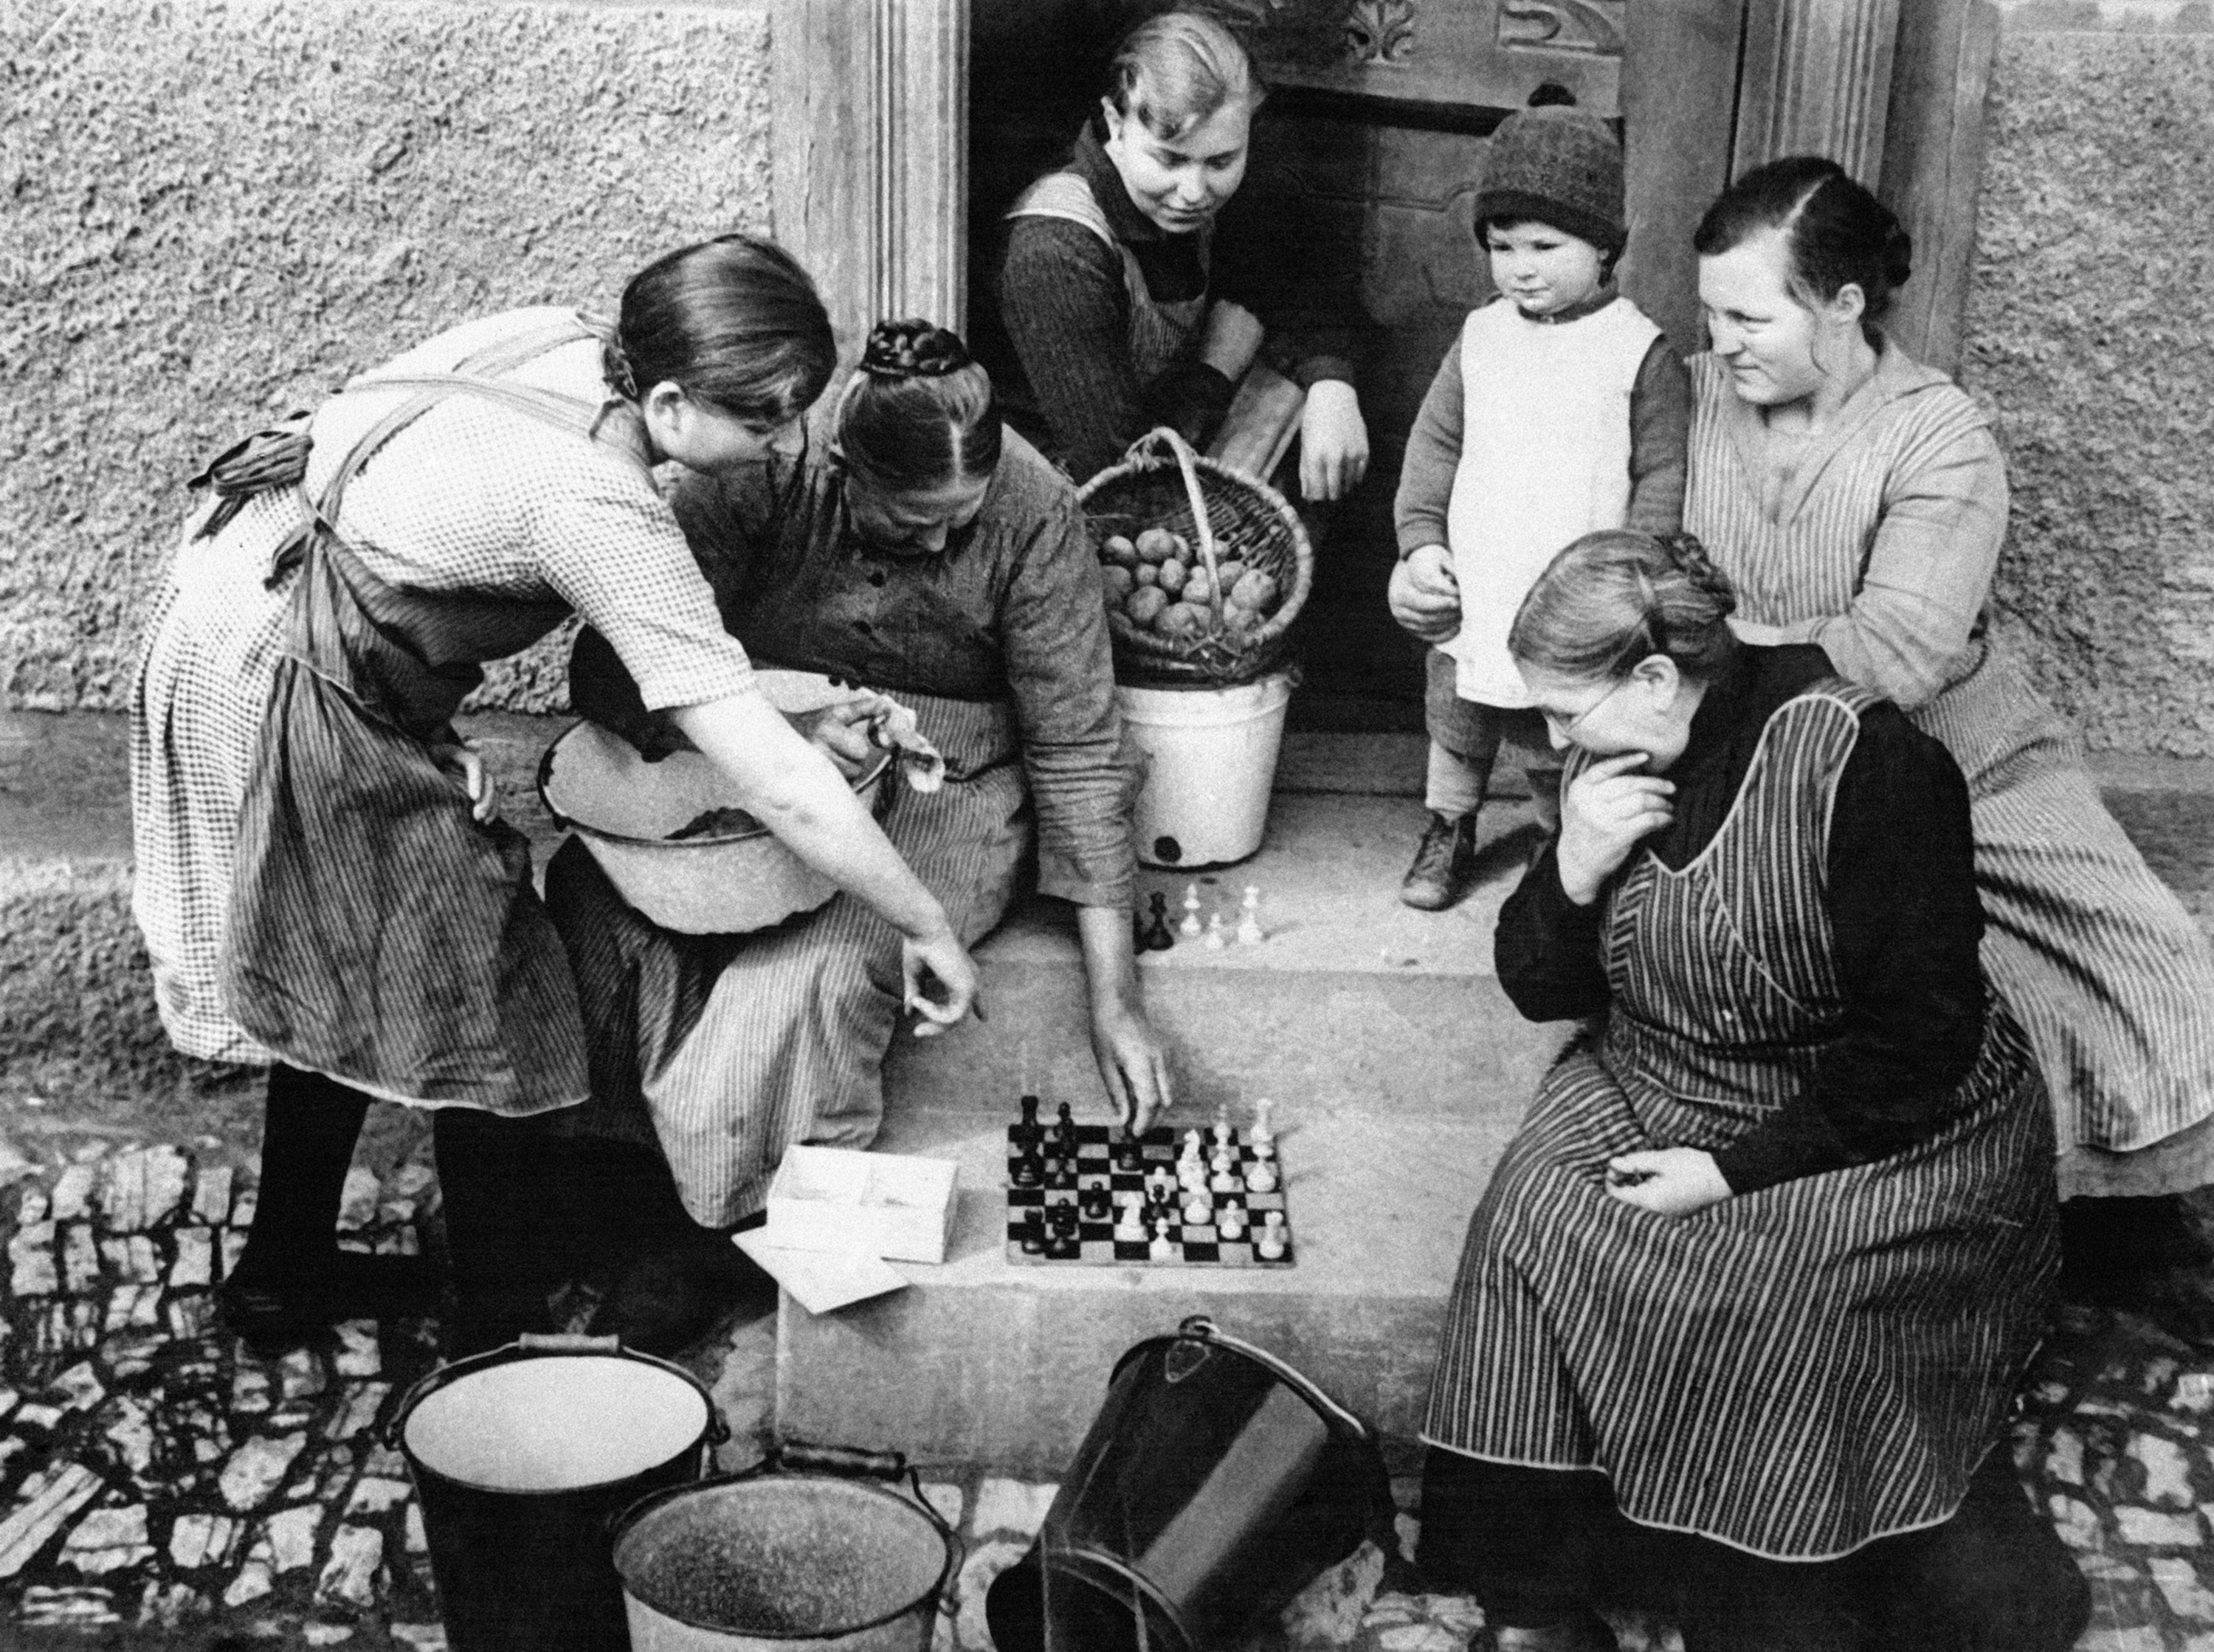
{"x": 1747, "y": 1300}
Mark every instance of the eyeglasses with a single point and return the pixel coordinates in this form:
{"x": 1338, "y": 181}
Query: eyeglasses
{"x": 1567, "y": 730}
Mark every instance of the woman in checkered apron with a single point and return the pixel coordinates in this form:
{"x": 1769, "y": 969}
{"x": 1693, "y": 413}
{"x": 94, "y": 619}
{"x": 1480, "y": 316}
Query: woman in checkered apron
{"x": 1740, "y": 1315}
{"x": 917, "y": 548}
{"x": 322, "y": 881}
{"x": 1859, "y": 501}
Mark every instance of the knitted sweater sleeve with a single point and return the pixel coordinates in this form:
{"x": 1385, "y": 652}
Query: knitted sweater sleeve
{"x": 1425, "y": 475}
{"x": 1660, "y": 440}
{"x": 1067, "y": 314}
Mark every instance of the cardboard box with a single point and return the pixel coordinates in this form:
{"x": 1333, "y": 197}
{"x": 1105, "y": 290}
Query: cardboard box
{"x": 836, "y": 1198}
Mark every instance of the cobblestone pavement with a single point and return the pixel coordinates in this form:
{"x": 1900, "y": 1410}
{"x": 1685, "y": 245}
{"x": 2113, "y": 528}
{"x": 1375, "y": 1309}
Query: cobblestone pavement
{"x": 160, "y": 1486}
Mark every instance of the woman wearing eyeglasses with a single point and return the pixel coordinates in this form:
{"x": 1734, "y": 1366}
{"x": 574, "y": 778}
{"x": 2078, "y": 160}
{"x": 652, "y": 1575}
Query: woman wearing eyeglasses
{"x": 1740, "y": 1315}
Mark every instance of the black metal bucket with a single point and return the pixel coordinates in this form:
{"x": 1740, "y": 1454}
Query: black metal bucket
{"x": 1214, "y": 1484}
{"x": 522, "y": 1457}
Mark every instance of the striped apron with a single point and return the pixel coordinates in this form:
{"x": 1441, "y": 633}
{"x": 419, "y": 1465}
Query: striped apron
{"x": 377, "y": 931}
{"x": 2106, "y": 972}
{"x": 726, "y": 1050}
{"x": 1795, "y": 1371}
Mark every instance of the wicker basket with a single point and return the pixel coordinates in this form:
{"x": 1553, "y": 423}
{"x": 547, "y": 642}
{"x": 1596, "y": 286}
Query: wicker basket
{"x": 1162, "y": 483}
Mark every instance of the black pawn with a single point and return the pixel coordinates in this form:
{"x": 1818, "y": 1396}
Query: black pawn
{"x": 1159, "y": 937}
{"x": 1029, "y": 1169}
{"x": 1062, "y": 1176}
{"x": 1033, "y": 1233}
{"x": 1093, "y": 1205}
{"x": 1128, "y": 1160}
{"x": 1064, "y": 1129}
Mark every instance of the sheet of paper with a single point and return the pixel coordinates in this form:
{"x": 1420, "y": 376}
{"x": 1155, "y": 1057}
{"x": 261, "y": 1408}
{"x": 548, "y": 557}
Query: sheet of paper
{"x": 822, "y": 1280}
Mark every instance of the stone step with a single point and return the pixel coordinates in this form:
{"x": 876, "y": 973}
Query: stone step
{"x": 990, "y": 1361}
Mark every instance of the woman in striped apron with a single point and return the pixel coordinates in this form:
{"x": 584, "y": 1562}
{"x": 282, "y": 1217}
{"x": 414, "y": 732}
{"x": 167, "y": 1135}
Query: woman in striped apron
{"x": 322, "y": 881}
{"x": 1107, "y": 322}
{"x": 1742, "y": 1310}
{"x": 915, "y": 549}
{"x": 1859, "y": 502}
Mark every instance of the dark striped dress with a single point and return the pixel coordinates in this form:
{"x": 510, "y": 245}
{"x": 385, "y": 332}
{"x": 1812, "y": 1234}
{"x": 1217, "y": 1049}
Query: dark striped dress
{"x": 1798, "y": 1369}
{"x": 1877, "y": 539}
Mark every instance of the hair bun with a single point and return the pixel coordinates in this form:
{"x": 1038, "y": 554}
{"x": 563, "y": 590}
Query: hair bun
{"x": 1897, "y": 255}
{"x": 1551, "y": 94}
{"x": 913, "y": 349}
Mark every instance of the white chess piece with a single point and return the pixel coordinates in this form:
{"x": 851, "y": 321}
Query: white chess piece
{"x": 1198, "y": 1208}
{"x": 1250, "y": 933}
{"x": 1265, "y": 1128}
{"x": 1161, "y": 1250}
{"x": 1261, "y": 1178}
{"x": 1215, "y": 939}
{"x": 1231, "y": 1222}
{"x": 1190, "y": 926}
{"x": 1273, "y": 1237}
{"x": 1223, "y": 1172}
{"x": 1130, "y": 1226}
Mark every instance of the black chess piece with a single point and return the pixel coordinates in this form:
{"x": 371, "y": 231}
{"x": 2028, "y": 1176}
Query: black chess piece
{"x": 1033, "y": 1232}
{"x": 1128, "y": 1160}
{"x": 1029, "y": 1169}
{"x": 1159, "y": 937}
{"x": 1064, "y": 1131}
{"x": 1092, "y": 1205}
{"x": 1028, "y": 1130}
{"x": 1061, "y": 1175}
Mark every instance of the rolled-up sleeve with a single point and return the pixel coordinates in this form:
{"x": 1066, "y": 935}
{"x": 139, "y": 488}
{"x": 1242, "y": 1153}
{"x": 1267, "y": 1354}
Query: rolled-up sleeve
{"x": 1930, "y": 569}
{"x": 1061, "y": 678}
{"x": 617, "y": 555}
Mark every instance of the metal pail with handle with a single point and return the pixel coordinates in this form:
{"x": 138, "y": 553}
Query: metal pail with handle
{"x": 795, "y": 1555}
{"x": 521, "y": 1457}
{"x": 1214, "y": 1484}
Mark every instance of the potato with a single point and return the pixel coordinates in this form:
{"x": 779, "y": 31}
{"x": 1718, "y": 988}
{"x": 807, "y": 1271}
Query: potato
{"x": 1181, "y": 620}
{"x": 1198, "y": 589}
{"x": 1180, "y": 548}
{"x": 1145, "y": 574}
{"x": 1118, "y": 549}
{"x": 1256, "y": 592}
{"x": 1228, "y": 574}
{"x": 1172, "y": 576}
{"x": 1117, "y": 581}
{"x": 1156, "y": 544}
{"x": 1145, "y": 603}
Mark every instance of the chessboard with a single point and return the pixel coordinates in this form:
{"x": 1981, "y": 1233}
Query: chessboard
{"x": 1197, "y": 1246}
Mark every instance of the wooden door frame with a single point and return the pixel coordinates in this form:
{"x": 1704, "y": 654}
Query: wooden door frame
{"x": 870, "y": 130}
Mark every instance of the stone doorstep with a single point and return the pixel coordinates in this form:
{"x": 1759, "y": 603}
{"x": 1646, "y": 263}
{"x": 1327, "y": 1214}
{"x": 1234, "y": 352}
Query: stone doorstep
{"x": 988, "y": 1361}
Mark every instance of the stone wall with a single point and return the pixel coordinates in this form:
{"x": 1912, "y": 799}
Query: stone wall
{"x": 2090, "y": 329}
{"x": 221, "y": 209}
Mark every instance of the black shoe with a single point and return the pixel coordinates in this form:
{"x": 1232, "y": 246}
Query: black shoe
{"x": 274, "y": 1313}
{"x": 2111, "y": 1247}
{"x": 665, "y": 1303}
{"x": 1444, "y": 864}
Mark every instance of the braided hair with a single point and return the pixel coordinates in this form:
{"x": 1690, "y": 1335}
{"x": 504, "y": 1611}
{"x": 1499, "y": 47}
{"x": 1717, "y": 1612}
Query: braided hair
{"x": 1615, "y": 597}
{"x": 919, "y": 413}
{"x": 1835, "y": 234}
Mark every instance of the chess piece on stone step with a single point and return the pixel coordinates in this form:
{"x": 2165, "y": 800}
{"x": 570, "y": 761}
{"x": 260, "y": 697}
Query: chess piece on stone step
{"x": 1160, "y": 1185}
{"x": 1261, "y": 1177}
{"x": 1263, "y": 1133}
{"x": 1130, "y": 1224}
{"x": 1222, "y": 1173}
{"x": 1190, "y": 927}
{"x": 1128, "y": 1159}
{"x": 1033, "y": 1232}
{"x": 1162, "y": 1249}
{"x": 1061, "y": 1176}
{"x": 1157, "y": 935}
{"x": 1029, "y": 1169}
{"x": 1028, "y": 1131}
{"x": 1230, "y": 1223}
{"x": 1216, "y": 940}
{"x": 1249, "y": 918}
{"x": 1064, "y": 1131}
{"x": 1092, "y": 1204}
{"x": 1198, "y": 1209}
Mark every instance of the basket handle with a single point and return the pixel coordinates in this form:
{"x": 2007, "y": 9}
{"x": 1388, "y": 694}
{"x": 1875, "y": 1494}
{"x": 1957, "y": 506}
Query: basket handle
{"x": 1163, "y": 436}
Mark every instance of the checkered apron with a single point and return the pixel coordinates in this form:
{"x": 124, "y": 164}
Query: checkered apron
{"x": 1795, "y": 1371}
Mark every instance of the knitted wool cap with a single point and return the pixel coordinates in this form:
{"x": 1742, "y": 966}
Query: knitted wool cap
{"x": 1561, "y": 166}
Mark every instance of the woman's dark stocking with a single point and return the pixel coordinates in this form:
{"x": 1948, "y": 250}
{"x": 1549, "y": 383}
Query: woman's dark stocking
{"x": 508, "y": 1227}
{"x": 1519, "y": 1539}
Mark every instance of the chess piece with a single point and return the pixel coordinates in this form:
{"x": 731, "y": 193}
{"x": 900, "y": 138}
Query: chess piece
{"x": 1264, "y": 1127}
{"x": 1157, "y": 935}
{"x": 1160, "y": 1185}
{"x": 1062, "y": 1178}
{"x": 1027, "y": 1133}
{"x": 1223, "y": 1174}
{"x": 1162, "y": 1249}
{"x": 1064, "y": 1131}
{"x": 1198, "y": 1209}
{"x": 1249, "y": 918}
{"x": 1128, "y": 1160}
{"x": 1231, "y": 1222}
{"x": 1190, "y": 926}
{"x": 1261, "y": 1178}
{"x": 1130, "y": 1225}
{"x": 1033, "y": 1232}
{"x": 1191, "y": 1175}
{"x": 1029, "y": 1169}
{"x": 1215, "y": 939}
{"x": 1092, "y": 1204}
{"x": 1273, "y": 1237}
{"x": 1193, "y": 1146}
{"x": 1222, "y": 1132}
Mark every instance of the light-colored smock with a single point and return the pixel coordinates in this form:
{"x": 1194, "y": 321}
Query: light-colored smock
{"x": 1877, "y": 539}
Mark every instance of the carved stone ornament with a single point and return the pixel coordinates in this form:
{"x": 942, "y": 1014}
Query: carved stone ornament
{"x": 1592, "y": 26}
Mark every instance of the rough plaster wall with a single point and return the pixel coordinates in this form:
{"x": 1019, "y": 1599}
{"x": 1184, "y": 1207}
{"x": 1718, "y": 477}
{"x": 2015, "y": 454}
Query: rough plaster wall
{"x": 2090, "y": 327}
{"x": 221, "y": 210}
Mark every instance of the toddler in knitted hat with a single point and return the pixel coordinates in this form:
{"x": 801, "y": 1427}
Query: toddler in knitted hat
{"x": 1560, "y": 411}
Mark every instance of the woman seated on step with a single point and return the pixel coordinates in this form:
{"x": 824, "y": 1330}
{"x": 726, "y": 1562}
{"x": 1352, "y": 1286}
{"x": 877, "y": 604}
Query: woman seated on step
{"x": 914, "y": 547}
{"x": 1742, "y": 1314}
{"x": 1111, "y": 313}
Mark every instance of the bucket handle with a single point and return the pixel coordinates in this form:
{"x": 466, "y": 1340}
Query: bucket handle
{"x": 1200, "y": 1328}
{"x": 802, "y": 1457}
{"x": 543, "y": 1342}
{"x": 1187, "y": 462}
